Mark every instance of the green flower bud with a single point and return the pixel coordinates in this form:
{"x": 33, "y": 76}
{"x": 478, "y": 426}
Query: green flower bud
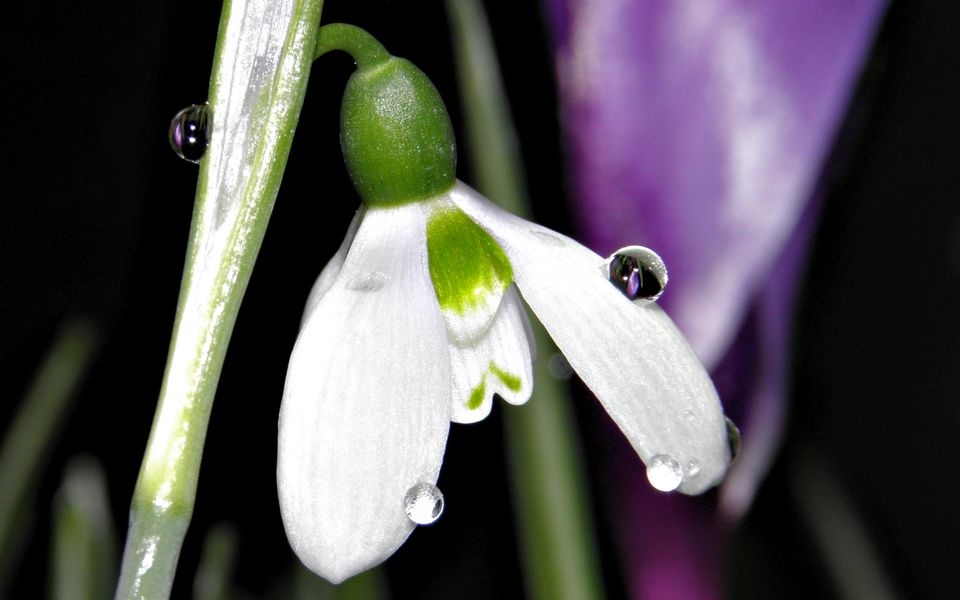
{"x": 396, "y": 134}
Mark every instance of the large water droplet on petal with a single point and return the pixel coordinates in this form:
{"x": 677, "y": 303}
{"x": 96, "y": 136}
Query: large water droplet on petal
{"x": 190, "y": 132}
{"x": 423, "y": 503}
{"x": 638, "y": 272}
{"x": 664, "y": 473}
{"x": 733, "y": 438}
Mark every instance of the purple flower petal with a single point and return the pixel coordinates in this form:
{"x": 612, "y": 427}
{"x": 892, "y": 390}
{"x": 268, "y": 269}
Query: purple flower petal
{"x": 761, "y": 412}
{"x": 698, "y": 128}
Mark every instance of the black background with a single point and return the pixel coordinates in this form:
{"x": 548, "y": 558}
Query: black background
{"x": 94, "y": 215}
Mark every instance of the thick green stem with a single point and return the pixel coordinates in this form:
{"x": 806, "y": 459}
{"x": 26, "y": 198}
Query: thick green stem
{"x": 549, "y": 487}
{"x": 255, "y": 107}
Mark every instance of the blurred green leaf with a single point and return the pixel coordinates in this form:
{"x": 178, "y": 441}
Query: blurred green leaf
{"x": 84, "y": 553}
{"x": 29, "y": 439}
{"x": 844, "y": 542}
{"x": 369, "y": 585}
{"x": 215, "y": 571}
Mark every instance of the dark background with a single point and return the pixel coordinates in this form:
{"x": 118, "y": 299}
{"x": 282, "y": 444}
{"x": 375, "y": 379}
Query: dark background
{"x": 94, "y": 215}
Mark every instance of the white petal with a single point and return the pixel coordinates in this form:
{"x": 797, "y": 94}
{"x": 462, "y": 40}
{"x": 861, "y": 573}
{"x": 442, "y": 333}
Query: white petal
{"x": 366, "y": 406}
{"x": 500, "y": 363}
{"x": 330, "y": 272}
{"x": 632, "y": 357}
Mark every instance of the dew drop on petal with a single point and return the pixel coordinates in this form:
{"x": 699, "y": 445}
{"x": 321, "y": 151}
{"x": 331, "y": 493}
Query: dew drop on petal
{"x": 559, "y": 367}
{"x": 423, "y": 503}
{"x": 664, "y": 473}
{"x": 638, "y": 272}
{"x": 693, "y": 468}
{"x": 368, "y": 281}
{"x": 733, "y": 438}
{"x": 190, "y": 132}
{"x": 548, "y": 238}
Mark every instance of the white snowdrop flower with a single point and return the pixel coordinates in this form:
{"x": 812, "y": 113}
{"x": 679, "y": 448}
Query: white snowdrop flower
{"x": 418, "y": 321}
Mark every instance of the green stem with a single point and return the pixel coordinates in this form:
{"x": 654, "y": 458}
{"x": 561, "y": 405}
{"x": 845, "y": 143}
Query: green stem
{"x": 548, "y": 482}
{"x": 255, "y": 107}
{"x": 549, "y": 488}
{"x": 28, "y": 439}
{"x": 363, "y": 47}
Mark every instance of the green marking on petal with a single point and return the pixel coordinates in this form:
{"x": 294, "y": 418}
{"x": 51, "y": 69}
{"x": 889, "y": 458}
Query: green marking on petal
{"x": 508, "y": 379}
{"x": 477, "y": 394}
{"x": 466, "y": 265}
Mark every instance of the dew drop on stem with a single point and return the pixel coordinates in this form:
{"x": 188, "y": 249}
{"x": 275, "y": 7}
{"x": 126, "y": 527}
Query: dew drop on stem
{"x": 190, "y": 132}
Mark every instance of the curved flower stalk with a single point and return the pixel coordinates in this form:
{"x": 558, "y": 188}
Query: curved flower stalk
{"x": 708, "y": 122}
{"x": 417, "y": 322}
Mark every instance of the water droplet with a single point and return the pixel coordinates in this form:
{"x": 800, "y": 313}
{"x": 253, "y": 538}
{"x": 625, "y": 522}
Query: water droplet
{"x": 370, "y": 281}
{"x": 733, "y": 438}
{"x": 689, "y": 415}
{"x": 548, "y": 238}
{"x": 664, "y": 473}
{"x": 693, "y": 468}
{"x": 559, "y": 367}
{"x": 638, "y": 272}
{"x": 190, "y": 132}
{"x": 423, "y": 503}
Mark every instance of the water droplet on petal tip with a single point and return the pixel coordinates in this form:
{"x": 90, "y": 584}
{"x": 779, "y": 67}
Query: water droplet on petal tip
{"x": 638, "y": 272}
{"x": 733, "y": 438}
{"x": 664, "y": 473}
{"x": 423, "y": 503}
{"x": 190, "y": 132}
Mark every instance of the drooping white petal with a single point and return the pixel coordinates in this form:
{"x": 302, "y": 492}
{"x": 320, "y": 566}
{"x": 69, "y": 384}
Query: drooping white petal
{"x": 366, "y": 406}
{"x": 498, "y": 363}
{"x": 632, "y": 357}
{"x": 329, "y": 273}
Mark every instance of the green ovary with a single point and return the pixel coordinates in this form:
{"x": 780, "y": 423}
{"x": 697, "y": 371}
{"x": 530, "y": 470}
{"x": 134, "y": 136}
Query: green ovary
{"x": 466, "y": 265}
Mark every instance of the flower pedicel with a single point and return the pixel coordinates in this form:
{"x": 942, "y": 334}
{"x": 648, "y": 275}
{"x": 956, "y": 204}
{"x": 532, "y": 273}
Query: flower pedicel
{"x": 417, "y": 321}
